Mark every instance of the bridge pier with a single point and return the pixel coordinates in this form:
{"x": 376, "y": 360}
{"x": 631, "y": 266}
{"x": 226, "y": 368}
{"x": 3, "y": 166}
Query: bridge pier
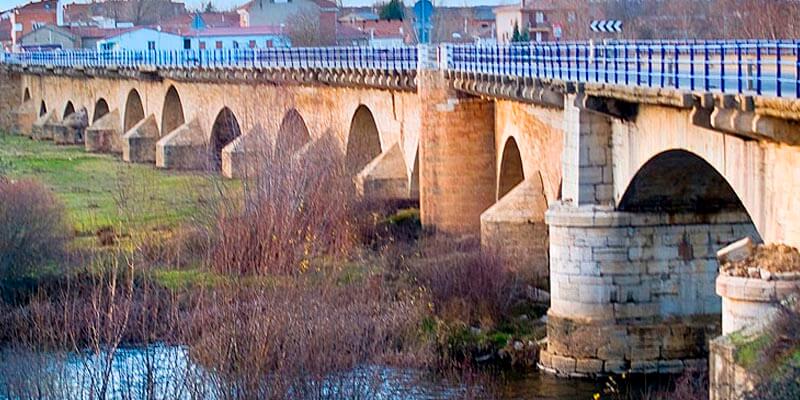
{"x": 103, "y": 135}
{"x": 633, "y": 291}
{"x": 139, "y": 143}
{"x": 72, "y": 129}
{"x": 457, "y": 157}
{"x": 184, "y": 148}
{"x": 23, "y": 118}
{"x": 39, "y": 130}
{"x": 632, "y": 274}
{"x": 384, "y": 177}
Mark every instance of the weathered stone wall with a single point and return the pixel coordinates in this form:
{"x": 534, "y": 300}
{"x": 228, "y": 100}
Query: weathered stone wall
{"x": 457, "y": 157}
{"x": 630, "y": 290}
{"x": 727, "y": 379}
{"x": 10, "y": 98}
{"x": 256, "y": 106}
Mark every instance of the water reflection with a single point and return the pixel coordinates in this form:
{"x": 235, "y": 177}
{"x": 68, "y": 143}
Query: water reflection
{"x": 167, "y": 372}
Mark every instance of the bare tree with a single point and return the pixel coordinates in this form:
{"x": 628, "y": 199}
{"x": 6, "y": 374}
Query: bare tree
{"x": 758, "y": 19}
{"x": 303, "y": 29}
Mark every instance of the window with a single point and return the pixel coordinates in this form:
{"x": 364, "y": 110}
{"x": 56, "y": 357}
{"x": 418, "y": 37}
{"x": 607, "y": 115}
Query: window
{"x": 538, "y": 36}
{"x": 187, "y": 44}
{"x": 151, "y": 45}
{"x": 571, "y": 17}
{"x": 218, "y": 44}
{"x": 235, "y": 44}
{"x": 252, "y": 44}
{"x": 108, "y": 46}
{"x": 202, "y": 45}
{"x": 539, "y": 17}
{"x": 269, "y": 43}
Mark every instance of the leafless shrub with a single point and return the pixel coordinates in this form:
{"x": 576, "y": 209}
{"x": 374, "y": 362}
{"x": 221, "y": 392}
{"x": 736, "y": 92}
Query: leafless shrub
{"x": 296, "y": 208}
{"x": 33, "y": 228}
{"x": 466, "y": 284}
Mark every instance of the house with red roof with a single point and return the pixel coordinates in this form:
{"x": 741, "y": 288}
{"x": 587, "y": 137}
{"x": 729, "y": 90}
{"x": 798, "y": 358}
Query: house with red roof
{"x": 319, "y": 16}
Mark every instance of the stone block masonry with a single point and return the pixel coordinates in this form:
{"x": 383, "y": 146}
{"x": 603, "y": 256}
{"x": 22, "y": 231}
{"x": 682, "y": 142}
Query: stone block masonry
{"x": 10, "y": 98}
{"x": 634, "y": 290}
{"x": 457, "y": 158}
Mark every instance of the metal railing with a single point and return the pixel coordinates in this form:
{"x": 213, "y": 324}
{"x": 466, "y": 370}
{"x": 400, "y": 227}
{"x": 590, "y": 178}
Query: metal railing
{"x": 756, "y": 67}
{"x": 763, "y": 67}
{"x": 393, "y": 59}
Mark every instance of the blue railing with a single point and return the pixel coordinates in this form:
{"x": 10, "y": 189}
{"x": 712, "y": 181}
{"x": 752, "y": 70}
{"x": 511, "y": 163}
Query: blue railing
{"x": 393, "y": 59}
{"x": 757, "y": 67}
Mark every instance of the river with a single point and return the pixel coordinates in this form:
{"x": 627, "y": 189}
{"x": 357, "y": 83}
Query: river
{"x": 169, "y": 373}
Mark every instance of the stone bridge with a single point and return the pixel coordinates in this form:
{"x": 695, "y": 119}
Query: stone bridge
{"x": 619, "y": 194}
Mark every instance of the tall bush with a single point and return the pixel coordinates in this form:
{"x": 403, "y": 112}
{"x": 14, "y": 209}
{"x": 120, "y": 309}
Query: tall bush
{"x": 296, "y": 207}
{"x": 33, "y": 228}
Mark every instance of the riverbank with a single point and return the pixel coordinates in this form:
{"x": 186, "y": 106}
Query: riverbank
{"x": 273, "y": 285}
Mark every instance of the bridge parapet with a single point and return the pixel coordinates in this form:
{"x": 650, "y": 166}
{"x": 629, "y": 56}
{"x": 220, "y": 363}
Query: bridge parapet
{"x": 393, "y": 68}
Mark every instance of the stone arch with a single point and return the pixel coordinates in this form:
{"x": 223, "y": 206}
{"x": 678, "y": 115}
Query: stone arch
{"x": 69, "y": 109}
{"x": 134, "y": 110}
{"x": 42, "y": 109}
{"x": 225, "y": 130}
{"x": 172, "y": 114}
{"x": 676, "y": 181}
{"x": 26, "y": 95}
{"x": 293, "y": 132}
{"x": 510, "y": 173}
{"x": 363, "y": 141}
{"x": 100, "y": 109}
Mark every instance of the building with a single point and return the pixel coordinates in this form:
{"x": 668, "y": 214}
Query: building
{"x": 463, "y": 25}
{"x": 358, "y": 15}
{"x": 50, "y": 37}
{"x": 91, "y": 35}
{"x": 254, "y": 37}
{"x": 150, "y": 38}
{"x": 31, "y": 16}
{"x": 347, "y": 35}
{"x": 381, "y": 33}
{"x": 546, "y": 20}
{"x": 322, "y": 14}
{"x": 6, "y": 41}
{"x": 196, "y": 21}
{"x": 142, "y": 38}
{"x": 150, "y": 12}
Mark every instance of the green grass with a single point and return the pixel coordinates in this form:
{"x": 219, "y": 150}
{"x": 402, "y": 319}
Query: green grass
{"x": 100, "y": 190}
{"x": 175, "y": 279}
{"x": 748, "y": 349}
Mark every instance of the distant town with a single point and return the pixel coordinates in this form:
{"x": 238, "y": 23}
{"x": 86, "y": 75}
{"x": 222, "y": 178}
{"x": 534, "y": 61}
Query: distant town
{"x": 107, "y": 25}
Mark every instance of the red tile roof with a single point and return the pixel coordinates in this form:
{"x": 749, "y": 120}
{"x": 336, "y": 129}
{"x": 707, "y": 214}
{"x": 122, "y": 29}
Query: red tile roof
{"x": 212, "y": 20}
{"x": 94, "y": 32}
{"x": 381, "y": 28}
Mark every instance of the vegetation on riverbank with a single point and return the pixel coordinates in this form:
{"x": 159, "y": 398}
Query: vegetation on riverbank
{"x": 274, "y": 285}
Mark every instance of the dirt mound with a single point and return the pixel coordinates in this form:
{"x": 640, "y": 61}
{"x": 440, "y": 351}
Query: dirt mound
{"x": 773, "y": 258}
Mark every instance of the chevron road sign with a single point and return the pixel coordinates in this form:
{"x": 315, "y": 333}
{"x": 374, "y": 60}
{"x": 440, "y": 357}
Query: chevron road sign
{"x": 608, "y": 26}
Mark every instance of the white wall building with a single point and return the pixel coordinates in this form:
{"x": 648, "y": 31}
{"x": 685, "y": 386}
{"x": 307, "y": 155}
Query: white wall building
{"x": 142, "y": 38}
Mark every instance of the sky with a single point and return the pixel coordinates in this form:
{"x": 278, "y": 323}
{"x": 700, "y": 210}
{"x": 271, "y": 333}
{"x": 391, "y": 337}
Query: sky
{"x": 227, "y": 4}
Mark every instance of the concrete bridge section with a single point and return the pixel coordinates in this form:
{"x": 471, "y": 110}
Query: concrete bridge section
{"x": 618, "y": 195}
